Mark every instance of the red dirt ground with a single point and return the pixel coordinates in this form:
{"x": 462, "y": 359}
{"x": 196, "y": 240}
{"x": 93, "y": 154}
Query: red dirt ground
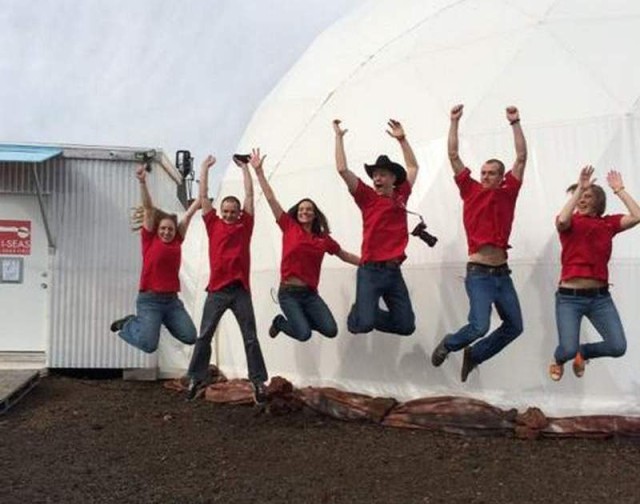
{"x": 111, "y": 441}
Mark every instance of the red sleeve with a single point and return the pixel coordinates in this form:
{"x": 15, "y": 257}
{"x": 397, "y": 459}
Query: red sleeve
{"x": 285, "y": 221}
{"x": 248, "y": 219}
{"x": 362, "y": 196}
{"x": 404, "y": 189}
{"x": 615, "y": 222}
{"x": 147, "y": 238}
{"x": 332, "y": 247}
{"x": 511, "y": 183}
{"x": 464, "y": 181}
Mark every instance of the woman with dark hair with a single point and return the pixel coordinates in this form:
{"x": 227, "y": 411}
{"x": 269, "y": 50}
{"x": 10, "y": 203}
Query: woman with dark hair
{"x": 305, "y": 240}
{"x": 158, "y": 303}
{"x": 586, "y": 235}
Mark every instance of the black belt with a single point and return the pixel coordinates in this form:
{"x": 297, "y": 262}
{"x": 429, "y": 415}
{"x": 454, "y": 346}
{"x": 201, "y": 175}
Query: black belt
{"x": 503, "y": 269}
{"x": 294, "y": 288}
{"x": 595, "y": 291}
{"x": 395, "y": 264}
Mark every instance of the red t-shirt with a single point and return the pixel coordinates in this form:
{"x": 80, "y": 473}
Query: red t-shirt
{"x": 229, "y": 257}
{"x": 302, "y": 252}
{"x": 487, "y": 213}
{"x": 160, "y": 263}
{"x": 586, "y": 246}
{"x": 385, "y": 234}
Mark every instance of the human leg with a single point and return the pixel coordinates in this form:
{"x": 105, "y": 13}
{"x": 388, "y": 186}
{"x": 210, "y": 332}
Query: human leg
{"x": 569, "y": 313}
{"x": 242, "y": 308}
{"x": 319, "y": 316}
{"x": 294, "y": 323}
{"x": 508, "y": 308}
{"x": 214, "y": 307}
{"x": 604, "y": 316}
{"x": 400, "y": 318}
{"x": 143, "y": 330}
{"x": 178, "y": 322}
{"x": 481, "y": 290}
{"x": 369, "y": 283}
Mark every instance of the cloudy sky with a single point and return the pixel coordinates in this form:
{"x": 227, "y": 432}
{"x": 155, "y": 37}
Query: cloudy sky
{"x": 174, "y": 74}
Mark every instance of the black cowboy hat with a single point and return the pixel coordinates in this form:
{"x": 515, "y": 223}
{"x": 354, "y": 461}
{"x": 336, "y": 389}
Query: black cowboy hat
{"x": 384, "y": 163}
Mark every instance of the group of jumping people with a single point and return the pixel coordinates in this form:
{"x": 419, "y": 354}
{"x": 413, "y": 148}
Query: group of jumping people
{"x": 585, "y": 233}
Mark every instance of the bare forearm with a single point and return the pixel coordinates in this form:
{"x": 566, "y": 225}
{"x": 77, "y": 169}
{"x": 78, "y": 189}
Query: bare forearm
{"x": 563, "y": 221}
{"x": 248, "y": 190}
{"x": 521, "y": 149}
{"x": 410, "y": 160}
{"x": 453, "y": 149}
{"x": 269, "y": 194}
{"x": 629, "y": 202}
{"x": 147, "y": 202}
{"x": 341, "y": 164}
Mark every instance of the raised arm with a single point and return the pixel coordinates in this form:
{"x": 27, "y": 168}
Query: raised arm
{"x": 614, "y": 179}
{"x": 563, "y": 221}
{"x": 397, "y": 131}
{"x": 247, "y": 206}
{"x": 513, "y": 116}
{"x": 348, "y": 257}
{"x": 341, "y": 158}
{"x": 183, "y": 225}
{"x": 203, "y": 190}
{"x": 452, "y": 142}
{"x": 256, "y": 162}
{"x": 148, "y": 218}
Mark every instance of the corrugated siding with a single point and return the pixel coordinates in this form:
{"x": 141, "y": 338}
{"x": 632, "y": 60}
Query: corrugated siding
{"x": 96, "y": 265}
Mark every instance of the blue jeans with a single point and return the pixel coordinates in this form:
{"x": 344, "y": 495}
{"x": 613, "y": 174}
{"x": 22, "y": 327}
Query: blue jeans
{"x": 602, "y": 313}
{"x": 304, "y": 311}
{"x": 484, "y": 290}
{"x": 233, "y": 297}
{"x": 375, "y": 282}
{"x": 153, "y": 310}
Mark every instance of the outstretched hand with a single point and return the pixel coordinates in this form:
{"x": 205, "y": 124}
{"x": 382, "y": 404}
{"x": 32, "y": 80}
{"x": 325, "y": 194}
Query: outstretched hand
{"x": 585, "y": 179}
{"x": 255, "y": 160}
{"x": 395, "y": 129}
{"x": 512, "y": 114}
{"x": 337, "y": 129}
{"x": 456, "y": 112}
{"x": 208, "y": 162}
{"x": 614, "y": 179}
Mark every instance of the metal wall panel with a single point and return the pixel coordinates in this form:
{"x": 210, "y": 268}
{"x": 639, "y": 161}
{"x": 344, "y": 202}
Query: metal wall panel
{"x": 96, "y": 265}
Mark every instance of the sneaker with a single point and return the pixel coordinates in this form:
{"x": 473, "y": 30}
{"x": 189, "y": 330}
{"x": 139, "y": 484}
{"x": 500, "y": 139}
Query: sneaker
{"x": 467, "y": 364}
{"x": 259, "y": 393}
{"x": 578, "y": 365}
{"x": 555, "y": 371}
{"x": 193, "y": 391}
{"x": 273, "y": 330}
{"x": 440, "y": 353}
{"x": 119, "y": 324}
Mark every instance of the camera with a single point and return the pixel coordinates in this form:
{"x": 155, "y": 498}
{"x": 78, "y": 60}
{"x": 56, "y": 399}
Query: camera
{"x": 145, "y": 157}
{"x": 241, "y": 158}
{"x": 421, "y": 232}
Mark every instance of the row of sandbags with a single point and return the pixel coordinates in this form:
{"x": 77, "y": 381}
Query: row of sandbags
{"x": 460, "y": 415}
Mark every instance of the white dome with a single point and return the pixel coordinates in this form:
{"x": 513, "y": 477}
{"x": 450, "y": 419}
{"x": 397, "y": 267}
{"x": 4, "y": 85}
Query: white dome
{"x": 571, "y": 69}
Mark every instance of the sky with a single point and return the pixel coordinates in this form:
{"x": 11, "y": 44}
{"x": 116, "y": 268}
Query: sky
{"x": 171, "y": 74}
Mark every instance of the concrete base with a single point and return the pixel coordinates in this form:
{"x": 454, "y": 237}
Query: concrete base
{"x": 140, "y": 374}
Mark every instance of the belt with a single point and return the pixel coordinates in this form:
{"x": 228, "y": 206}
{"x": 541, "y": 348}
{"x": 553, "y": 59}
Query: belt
{"x": 294, "y": 288}
{"x": 393, "y": 264}
{"x": 593, "y": 292}
{"x": 503, "y": 269}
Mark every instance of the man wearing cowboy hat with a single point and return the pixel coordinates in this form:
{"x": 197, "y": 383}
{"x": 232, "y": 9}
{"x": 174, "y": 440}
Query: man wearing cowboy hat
{"x": 385, "y": 237}
{"x": 488, "y": 211}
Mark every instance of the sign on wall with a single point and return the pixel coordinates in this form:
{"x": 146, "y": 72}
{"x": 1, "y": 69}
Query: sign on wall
{"x": 15, "y": 237}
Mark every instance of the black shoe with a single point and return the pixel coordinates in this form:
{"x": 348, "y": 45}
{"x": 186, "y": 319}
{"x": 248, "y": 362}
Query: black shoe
{"x": 439, "y": 354}
{"x": 194, "y": 389}
{"x": 119, "y": 324}
{"x": 259, "y": 393}
{"x": 273, "y": 330}
{"x": 467, "y": 364}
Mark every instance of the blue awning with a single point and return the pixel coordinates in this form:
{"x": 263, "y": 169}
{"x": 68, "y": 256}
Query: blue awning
{"x": 27, "y": 153}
